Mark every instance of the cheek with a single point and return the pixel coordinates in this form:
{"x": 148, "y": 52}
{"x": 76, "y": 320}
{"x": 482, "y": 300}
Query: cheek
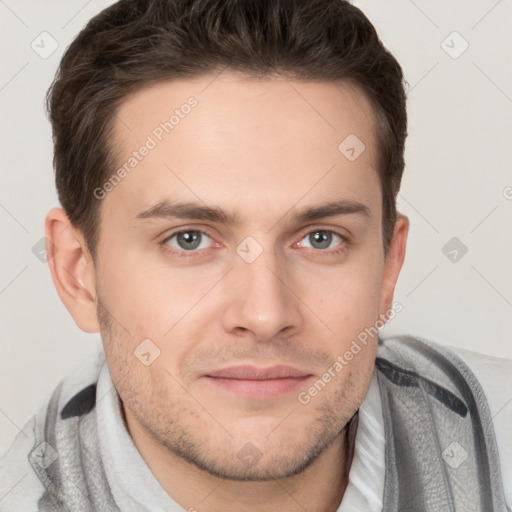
{"x": 146, "y": 299}
{"x": 348, "y": 298}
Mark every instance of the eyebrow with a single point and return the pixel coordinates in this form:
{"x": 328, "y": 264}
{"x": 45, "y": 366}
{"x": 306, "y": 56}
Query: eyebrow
{"x": 167, "y": 209}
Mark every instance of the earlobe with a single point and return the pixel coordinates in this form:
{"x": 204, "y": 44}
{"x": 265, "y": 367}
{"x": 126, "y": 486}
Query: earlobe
{"x": 393, "y": 264}
{"x": 72, "y": 269}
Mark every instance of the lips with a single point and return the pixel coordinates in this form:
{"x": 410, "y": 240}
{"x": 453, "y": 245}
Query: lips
{"x": 254, "y": 373}
{"x": 253, "y": 382}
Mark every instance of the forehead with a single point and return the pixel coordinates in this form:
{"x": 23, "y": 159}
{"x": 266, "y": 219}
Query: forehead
{"x": 214, "y": 137}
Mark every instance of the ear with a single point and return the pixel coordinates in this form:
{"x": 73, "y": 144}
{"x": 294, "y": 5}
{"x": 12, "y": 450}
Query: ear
{"x": 393, "y": 264}
{"x": 72, "y": 269}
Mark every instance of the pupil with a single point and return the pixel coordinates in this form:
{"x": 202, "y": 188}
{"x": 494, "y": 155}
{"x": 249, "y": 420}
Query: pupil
{"x": 189, "y": 239}
{"x": 322, "y": 238}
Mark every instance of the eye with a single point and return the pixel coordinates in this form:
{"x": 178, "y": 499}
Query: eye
{"x": 188, "y": 240}
{"x": 323, "y": 238}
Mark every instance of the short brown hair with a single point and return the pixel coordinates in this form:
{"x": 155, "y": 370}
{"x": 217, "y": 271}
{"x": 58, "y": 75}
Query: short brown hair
{"x": 134, "y": 42}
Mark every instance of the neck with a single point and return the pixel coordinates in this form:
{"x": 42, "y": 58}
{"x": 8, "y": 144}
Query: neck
{"x": 320, "y": 487}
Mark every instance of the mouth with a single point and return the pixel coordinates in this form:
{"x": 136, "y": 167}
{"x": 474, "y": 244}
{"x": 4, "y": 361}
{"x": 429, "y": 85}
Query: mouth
{"x": 254, "y": 382}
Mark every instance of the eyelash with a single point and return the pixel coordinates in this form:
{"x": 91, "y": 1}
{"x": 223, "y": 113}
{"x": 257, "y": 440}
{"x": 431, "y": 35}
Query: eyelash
{"x": 196, "y": 253}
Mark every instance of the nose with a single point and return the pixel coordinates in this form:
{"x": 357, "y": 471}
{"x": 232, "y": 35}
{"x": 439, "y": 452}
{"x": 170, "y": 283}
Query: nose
{"x": 261, "y": 299}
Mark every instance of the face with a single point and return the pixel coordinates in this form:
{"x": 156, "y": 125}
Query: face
{"x": 240, "y": 255}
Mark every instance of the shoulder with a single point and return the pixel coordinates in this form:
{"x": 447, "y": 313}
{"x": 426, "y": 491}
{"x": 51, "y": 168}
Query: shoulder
{"x": 489, "y": 377}
{"x": 493, "y": 373}
{"x": 495, "y": 376}
{"x": 29, "y": 455}
{"x": 19, "y": 486}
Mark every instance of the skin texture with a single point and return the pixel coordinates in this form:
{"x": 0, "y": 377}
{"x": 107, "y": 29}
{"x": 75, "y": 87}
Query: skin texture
{"x": 266, "y": 149}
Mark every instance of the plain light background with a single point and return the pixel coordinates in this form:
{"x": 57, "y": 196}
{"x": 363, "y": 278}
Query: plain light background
{"x": 456, "y": 283}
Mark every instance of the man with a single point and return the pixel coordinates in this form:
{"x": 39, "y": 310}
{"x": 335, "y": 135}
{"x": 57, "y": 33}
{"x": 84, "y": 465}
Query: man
{"x": 228, "y": 173}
